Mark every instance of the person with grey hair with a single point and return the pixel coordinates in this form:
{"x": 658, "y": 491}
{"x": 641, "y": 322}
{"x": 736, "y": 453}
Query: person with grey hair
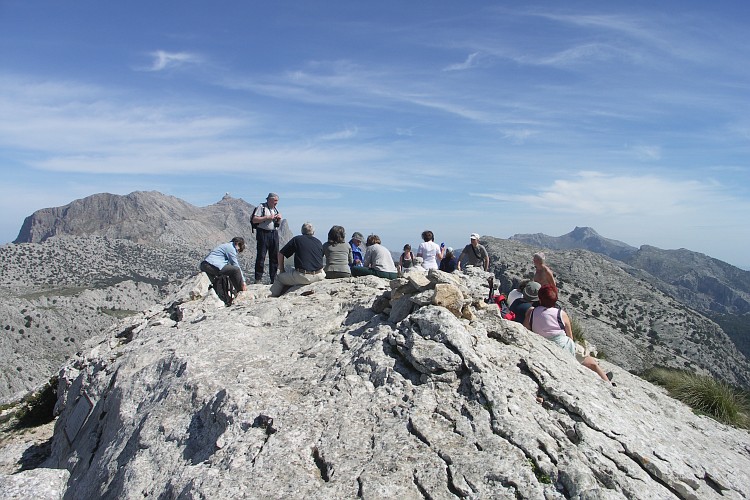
{"x": 308, "y": 261}
{"x": 357, "y": 254}
{"x": 543, "y": 274}
{"x": 266, "y": 219}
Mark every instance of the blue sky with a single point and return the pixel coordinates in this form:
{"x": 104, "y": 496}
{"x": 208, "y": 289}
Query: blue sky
{"x": 391, "y": 117}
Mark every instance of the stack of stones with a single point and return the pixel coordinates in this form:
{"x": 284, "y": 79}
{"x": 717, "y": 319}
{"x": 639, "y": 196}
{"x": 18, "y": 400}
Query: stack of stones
{"x": 417, "y": 289}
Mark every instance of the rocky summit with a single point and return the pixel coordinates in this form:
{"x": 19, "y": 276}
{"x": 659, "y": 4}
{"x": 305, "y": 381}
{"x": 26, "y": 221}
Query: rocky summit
{"x": 365, "y": 388}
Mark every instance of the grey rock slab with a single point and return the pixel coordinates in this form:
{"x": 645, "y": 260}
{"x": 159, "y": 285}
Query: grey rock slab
{"x": 41, "y": 484}
{"x": 433, "y": 406}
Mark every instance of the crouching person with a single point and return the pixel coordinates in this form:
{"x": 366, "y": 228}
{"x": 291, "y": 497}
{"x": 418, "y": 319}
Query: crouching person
{"x": 223, "y": 260}
{"x": 308, "y": 261}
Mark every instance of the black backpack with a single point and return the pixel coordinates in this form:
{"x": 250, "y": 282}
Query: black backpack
{"x": 254, "y": 225}
{"x": 224, "y": 289}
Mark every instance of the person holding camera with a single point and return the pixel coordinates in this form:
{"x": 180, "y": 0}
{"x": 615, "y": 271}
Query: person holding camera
{"x": 267, "y": 219}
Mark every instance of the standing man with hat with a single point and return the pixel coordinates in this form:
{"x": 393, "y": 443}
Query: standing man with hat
{"x": 474, "y": 254}
{"x": 267, "y": 220}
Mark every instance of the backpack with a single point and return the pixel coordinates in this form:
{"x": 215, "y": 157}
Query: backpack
{"x": 254, "y": 225}
{"x": 224, "y": 289}
{"x": 505, "y": 312}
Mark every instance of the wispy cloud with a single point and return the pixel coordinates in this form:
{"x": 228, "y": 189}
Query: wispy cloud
{"x": 166, "y": 60}
{"x": 340, "y": 135}
{"x": 470, "y": 62}
{"x": 612, "y": 195}
{"x": 518, "y": 136}
{"x": 647, "y": 152}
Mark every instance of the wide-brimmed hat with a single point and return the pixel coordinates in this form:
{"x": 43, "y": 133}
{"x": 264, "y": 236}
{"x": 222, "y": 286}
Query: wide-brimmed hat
{"x": 358, "y": 236}
{"x": 474, "y": 236}
{"x": 531, "y": 292}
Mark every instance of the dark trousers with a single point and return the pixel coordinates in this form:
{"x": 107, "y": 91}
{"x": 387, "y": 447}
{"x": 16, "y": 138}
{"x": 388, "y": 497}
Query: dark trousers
{"x": 214, "y": 272}
{"x": 268, "y": 242}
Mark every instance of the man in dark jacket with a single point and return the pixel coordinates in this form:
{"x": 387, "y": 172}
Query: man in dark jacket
{"x": 308, "y": 261}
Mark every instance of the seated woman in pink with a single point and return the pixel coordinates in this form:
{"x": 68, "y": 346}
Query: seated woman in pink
{"x": 553, "y": 323}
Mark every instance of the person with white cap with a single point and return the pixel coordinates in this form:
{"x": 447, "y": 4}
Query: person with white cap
{"x": 449, "y": 262}
{"x": 474, "y": 254}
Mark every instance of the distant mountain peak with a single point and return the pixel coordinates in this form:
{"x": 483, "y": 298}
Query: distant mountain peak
{"x": 580, "y": 237}
{"x": 585, "y": 232}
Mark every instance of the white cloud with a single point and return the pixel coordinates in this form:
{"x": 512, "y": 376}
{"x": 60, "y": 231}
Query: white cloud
{"x": 647, "y": 153}
{"x": 164, "y": 60}
{"x": 518, "y": 136}
{"x": 595, "y": 193}
{"x": 470, "y": 62}
{"x": 346, "y": 133}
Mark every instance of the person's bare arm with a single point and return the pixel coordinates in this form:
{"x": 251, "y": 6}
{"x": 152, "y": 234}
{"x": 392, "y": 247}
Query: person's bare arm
{"x": 568, "y": 327}
{"x": 527, "y": 318}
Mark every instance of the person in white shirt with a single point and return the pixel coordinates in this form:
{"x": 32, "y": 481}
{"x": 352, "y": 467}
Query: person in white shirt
{"x": 431, "y": 252}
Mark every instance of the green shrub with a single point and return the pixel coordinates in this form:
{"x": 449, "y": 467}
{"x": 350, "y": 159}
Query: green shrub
{"x": 578, "y": 333}
{"x": 705, "y": 395}
{"x": 37, "y": 408}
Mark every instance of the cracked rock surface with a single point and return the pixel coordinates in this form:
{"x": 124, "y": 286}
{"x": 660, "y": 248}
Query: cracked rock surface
{"x": 320, "y": 396}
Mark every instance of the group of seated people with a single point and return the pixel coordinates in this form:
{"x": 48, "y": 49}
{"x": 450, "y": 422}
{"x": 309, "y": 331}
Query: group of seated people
{"x": 533, "y": 302}
{"x": 535, "y": 306}
{"x": 336, "y": 258}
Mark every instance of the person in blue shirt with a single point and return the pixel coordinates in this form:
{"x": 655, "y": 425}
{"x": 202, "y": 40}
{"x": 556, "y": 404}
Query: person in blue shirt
{"x": 223, "y": 260}
{"x": 358, "y": 258}
{"x": 449, "y": 262}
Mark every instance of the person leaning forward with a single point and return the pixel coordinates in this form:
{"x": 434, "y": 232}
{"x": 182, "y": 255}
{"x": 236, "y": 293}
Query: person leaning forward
{"x": 308, "y": 261}
{"x": 223, "y": 260}
{"x": 268, "y": 220}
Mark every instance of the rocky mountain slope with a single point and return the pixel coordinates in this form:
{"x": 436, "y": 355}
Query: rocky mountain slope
{"x": 717, "y": 289}
{"x": 635, "y": 324}
{"x": 336, "y": 390}
{"x": 91, "y": 262}
{"x": 143, "y": 217}
{"x": 581, "y": 237}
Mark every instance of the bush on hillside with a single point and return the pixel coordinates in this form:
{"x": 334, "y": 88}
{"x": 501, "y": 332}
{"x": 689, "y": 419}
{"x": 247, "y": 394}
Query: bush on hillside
{"x": 578, "y": 333}
{"x": 704, "y": 395}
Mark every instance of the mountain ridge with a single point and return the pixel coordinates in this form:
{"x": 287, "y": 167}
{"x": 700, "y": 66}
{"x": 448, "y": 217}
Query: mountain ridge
{"x": 96, "y": 260}
{"x": 46, "y": 279}
{"x": 715, "y": 288}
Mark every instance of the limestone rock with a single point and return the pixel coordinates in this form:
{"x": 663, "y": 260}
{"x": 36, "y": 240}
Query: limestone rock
{"x": 40, "y": 484}
{"x": 319, "y": 396}
{"x": 450, "y": 297}
{"x": 419, "y": 281}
